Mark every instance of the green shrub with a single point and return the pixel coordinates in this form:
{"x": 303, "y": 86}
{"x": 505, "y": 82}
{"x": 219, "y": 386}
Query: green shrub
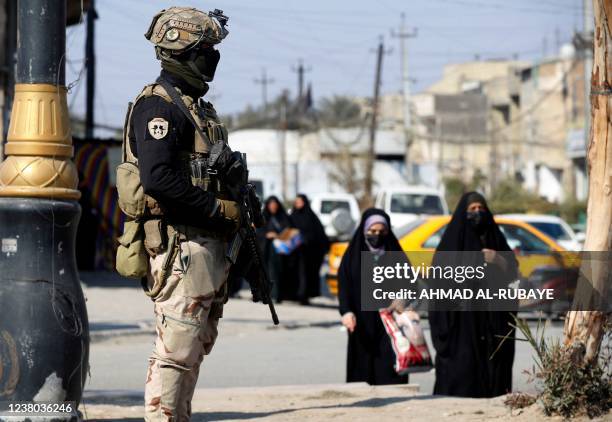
{"x": 567, "y": 385}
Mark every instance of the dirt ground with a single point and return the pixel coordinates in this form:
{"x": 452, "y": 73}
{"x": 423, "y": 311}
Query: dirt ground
{"x": 341, "y": 402}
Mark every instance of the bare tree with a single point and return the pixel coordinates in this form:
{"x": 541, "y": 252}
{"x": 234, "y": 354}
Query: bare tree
{"x": 582, "y": 328}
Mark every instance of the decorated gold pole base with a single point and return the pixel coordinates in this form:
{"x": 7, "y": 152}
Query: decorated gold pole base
{"x": 39, "y": 147}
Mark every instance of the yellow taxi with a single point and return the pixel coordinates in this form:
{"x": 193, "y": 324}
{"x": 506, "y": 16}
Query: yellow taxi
{"x": 420, "y": 238}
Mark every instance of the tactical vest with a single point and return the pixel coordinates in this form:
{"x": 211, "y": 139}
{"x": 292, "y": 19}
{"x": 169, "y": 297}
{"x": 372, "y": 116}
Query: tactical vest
{"x": 193, "y": 164}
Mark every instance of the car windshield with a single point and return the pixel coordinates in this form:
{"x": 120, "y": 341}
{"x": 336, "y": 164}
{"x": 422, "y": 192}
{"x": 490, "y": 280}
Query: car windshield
{"x": 407, "y": 228}
{"x": 327, "y": 207}
{"x": 519, "y": 238}
{"x": 410, "y": 203}
{"x": 554, "y": 230}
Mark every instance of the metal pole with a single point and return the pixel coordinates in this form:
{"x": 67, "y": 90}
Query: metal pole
{"x": 43, "y": 308}
{"x": 90, "y": 60}
{"x": 9, "y": 60}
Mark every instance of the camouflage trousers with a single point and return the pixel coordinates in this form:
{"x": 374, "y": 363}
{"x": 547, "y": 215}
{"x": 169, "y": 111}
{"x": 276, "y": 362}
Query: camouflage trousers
{"x": 187, "y": 311}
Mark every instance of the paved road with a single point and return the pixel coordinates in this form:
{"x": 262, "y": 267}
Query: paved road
{"x": 308, "y": 348}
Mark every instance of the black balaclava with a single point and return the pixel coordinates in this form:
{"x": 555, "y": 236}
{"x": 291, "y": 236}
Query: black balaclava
{"x": 196, "y": 66}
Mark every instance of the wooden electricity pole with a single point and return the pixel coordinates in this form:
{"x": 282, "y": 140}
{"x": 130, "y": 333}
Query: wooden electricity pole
{"x": 586, "y": 328}
{"x": 371, "y": 154}
{"x": 264, "y": 82}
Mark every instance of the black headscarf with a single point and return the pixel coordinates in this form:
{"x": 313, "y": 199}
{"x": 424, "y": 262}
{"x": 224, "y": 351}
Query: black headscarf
{"x": 310, "y": 226}
{"x": 460, "y": 236}
{"x": 279, "y": 221}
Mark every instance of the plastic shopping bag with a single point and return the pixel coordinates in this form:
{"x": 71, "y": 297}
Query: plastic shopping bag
{"x": 407, "y": 340}
{"x": 288, "y": 241}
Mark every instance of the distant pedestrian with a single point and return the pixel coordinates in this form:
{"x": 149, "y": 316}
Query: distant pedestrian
{"x": 311, "y": 253}
{"x": 466, "y": 340}
{"x": 370, "y": 357}
{"x": 277, "y": 220}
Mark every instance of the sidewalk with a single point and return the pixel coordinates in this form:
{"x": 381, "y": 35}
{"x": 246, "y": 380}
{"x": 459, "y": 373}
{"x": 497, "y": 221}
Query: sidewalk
{"x": 339, "y": 402}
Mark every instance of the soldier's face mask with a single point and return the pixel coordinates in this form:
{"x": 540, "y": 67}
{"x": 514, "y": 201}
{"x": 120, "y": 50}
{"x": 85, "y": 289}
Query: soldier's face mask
{"x": 206, "y": 61}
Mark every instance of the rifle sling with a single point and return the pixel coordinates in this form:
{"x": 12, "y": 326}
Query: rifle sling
{"x": 178, "y": 101}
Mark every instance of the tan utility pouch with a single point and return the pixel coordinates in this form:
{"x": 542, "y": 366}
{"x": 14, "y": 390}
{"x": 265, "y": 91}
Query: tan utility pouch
{"x": 132, "y": 259}
{"x": 155, "y": 237}
{"x": 130, "y": 191}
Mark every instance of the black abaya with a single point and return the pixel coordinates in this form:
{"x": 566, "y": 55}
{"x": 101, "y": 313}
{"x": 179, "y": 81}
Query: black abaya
{"x": 370, "y": 357}
{"x": 465, "y": 341}
{"x": 315, "y": 246}
{"x": 278, "y": 265}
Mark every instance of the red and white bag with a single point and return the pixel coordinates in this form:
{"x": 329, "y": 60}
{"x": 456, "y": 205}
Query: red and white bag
{"x": 407, "y": 340}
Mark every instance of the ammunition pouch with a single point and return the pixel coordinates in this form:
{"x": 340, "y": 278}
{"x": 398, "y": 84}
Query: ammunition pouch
{"x": 156, "y": 238}
{"x": 132, "y": 259}
{"x": 130, "y": 191}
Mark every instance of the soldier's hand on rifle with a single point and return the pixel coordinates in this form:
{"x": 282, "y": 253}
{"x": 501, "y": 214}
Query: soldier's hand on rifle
{"x": 228, "y": 211}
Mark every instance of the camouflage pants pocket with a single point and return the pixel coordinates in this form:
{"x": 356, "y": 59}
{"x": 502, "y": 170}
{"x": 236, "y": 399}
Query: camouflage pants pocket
{"x": 206, "y": 267}
{"x": 178, "y": 341}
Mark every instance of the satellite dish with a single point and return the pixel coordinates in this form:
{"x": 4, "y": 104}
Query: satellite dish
{"x": 342, "y": 221}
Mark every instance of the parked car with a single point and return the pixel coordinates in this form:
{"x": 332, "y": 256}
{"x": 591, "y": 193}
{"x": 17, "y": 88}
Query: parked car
{"x": 338, "y": 213}
{"x": 409, "y": 203}
{"x": 552, "y": 226}
{"x": 562, "y": 280}
{"x": 421, "y": 237}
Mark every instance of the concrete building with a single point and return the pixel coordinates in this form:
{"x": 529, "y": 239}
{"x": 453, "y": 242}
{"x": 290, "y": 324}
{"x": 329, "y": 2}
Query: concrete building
{"x": 329, "y": 160}
{"x": 502, "y": 120}
{"x": 462, "y": 122}
{"x": 553, "y": 147}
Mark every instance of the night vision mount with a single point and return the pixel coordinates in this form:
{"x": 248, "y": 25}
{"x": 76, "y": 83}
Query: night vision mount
{"x": 219, "y": 16}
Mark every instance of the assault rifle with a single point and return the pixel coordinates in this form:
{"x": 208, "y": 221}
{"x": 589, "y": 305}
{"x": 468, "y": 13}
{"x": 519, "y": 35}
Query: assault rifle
{"x": 230, "y": 167}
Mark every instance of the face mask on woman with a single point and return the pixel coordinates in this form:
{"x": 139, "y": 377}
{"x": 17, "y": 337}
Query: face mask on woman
{"x": 476, "y": 218}
{"x": 376, "y": 240}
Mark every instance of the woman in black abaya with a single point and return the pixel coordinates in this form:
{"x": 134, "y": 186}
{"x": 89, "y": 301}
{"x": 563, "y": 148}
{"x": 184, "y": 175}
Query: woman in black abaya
{"x": 466, "y": 340}
{"x": 315, "y": 246}
{"x": 370, "y": 357}
{"x": 277, "y": 220}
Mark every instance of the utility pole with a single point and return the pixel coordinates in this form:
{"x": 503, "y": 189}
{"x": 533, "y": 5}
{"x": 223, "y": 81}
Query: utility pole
{"x": 403, "y": 35}
{"x": 8, "y": 79}
{"x": 300, "y": 70}
{"x": 283, "y": 147}
{"x": 585, "y": 324}
{"x": 90, "y": 62}
{"x": 368, "y": 197}
{"x": 40, "y": 293}
{"x": 264, "y": 81}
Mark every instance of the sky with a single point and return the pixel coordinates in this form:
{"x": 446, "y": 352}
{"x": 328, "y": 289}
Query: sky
{"x": 336, "y": 39}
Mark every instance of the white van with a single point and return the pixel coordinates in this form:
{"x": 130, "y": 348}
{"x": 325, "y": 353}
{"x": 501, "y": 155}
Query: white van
{"x": 341, "y": 208}
{"x": 406, "y": 204}
{"x": 554, "y": 227}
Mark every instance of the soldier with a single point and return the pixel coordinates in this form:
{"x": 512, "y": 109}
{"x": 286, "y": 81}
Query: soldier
{"x": 187, "y": 220}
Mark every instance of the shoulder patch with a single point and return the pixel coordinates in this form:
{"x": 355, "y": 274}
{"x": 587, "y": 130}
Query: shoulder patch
{"x": 158, "y": 127}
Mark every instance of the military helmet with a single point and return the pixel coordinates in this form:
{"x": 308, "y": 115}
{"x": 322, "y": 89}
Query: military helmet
{"x": 179, "y": 29}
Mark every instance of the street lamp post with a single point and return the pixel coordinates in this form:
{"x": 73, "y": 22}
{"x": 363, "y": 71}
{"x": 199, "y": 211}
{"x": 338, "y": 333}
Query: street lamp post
{"x": 44, "y": 333}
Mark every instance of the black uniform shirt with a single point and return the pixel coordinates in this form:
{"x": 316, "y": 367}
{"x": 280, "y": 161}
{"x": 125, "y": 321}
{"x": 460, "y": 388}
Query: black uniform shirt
{"x": 158, "y": 132}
